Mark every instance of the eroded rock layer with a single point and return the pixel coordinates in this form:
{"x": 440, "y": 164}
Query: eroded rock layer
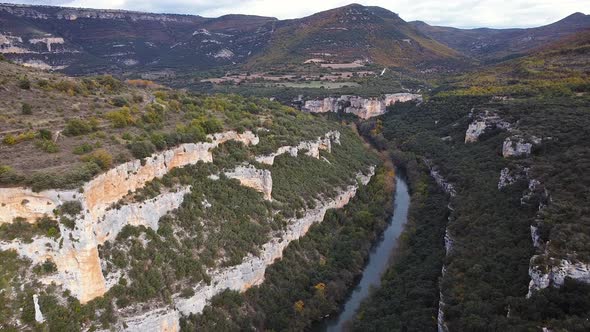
{"x": 76, "y": 252}
{"x": 362, "y": 107}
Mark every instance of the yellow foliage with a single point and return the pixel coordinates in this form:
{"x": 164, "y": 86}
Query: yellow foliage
{"x": 299, "y": 306}
{"x": 320, "y": 288}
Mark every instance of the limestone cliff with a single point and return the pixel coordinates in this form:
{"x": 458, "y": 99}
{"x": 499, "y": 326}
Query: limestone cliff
{"x": 362, "y": 107}
{"x": 312, "y": 148}
{"x": 258, "y": 179}
{"x": 75, "y": 253}
{"x": 245, "y": 275}
{"x": 449, "y": 189}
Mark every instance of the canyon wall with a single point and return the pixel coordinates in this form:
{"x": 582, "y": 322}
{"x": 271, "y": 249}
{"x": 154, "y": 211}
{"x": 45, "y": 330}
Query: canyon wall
{"x": 245, "y": 275}
{"x": 364, "y": 108}
{"x": 258, "y": 179}
{"x": 450, "y": 190}
{"x": 76, "y": 252}
{"x": 102, "y": 216}
{"x": 311, "y": 148}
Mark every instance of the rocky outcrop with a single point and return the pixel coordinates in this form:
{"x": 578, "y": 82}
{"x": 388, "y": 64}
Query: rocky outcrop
{"x": 449, "y": 189}
{"x": 76, "y": 252}
{"x": 362, "y": 107}
{"x": 554, "y": 273}
{"x": 72, "y": 14}
{"x": 311, "y": 148}
{"x": 47, "y": 41}
{"x": 446, "y": 186}
{"x": 25, "y": 204}
{"x": 258, "y": 179}
{"x": 38, "y": 314}
{"x": 162, "y": 320}
{"x": 252, "y": 269}
{"x": 146, "y": 213}
{"x": 518, "y": 146}
{"x": 483, "y": 122}
{"x": 511, "y": 176}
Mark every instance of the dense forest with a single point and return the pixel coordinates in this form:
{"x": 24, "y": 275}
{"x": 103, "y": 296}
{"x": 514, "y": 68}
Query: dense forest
{"x": 486, "y": 277}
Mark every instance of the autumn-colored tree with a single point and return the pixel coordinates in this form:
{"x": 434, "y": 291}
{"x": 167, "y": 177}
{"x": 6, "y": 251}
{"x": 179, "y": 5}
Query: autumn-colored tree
{"x": 299, "y": 306}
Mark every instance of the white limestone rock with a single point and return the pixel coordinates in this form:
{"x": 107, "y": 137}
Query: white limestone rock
{"x": 364, "y": 108}
{"x": 38, "y": 314}
{"x": 554, "y": 274}
{"x": 518, "y": 146}
{"x": 483, "y": 122}
{"x": 312, "y": 148}
{"x": 258, "y": 179}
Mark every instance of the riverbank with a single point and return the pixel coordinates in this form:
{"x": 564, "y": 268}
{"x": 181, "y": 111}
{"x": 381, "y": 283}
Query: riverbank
{"x": 378, "y": 260}
{"x": 315, "y": 274}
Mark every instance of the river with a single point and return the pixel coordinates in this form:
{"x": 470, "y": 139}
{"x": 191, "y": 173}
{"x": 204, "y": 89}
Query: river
{"x": 378, "y": 260}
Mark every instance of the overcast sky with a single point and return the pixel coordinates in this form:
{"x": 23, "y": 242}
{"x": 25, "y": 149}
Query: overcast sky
{"x": 457, "y": 13}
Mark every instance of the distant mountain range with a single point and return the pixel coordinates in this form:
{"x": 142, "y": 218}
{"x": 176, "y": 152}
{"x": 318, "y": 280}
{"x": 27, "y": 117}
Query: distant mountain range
{"x": 84, "y": 41}
{"x": 496, "y": 44}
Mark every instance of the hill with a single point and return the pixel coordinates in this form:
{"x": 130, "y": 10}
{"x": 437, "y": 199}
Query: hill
{"x": 79, "y": 41}
{"x": 496, "y": 44}
{"x": 352, "y": 33}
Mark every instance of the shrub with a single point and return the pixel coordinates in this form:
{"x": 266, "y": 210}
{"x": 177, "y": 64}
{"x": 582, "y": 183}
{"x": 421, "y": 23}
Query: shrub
{"x": 83, "y": 149}
{"x": 9, "y": 139}
{"x": 119, "y": 101}
{"x": 26, "y": 109}
{"x": 121, "y": 118}
{"x": 47, "y": 145}
{"x": 100, "y": 157}
{"x": 24, "y": 84}
{"x": 72, "y": 208}
{"x": 45, "y": 134}
{"x": 141, "y": 149}
{"x": 77, "y": 127}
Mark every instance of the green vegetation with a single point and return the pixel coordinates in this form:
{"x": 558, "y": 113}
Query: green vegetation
{"x": 77, "y": 127}
{"x": 315, "y": 273}
{"x": 407, "y": 299}
{"x": 26, "y": 109}
{"x": 21, "y": 229}
{"x": 487, "y": 271}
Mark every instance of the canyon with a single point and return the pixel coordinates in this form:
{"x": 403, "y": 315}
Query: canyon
{"x": 75, "y": 253}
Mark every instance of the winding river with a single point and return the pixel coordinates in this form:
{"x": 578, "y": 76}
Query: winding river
{"x": 378, "y": 260}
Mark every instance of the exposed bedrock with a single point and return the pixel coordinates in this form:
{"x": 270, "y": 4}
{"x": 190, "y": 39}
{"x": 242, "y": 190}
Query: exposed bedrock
{"x": 311, "y": 148}
{"x": 247, "y": 274}
{"x": 362, "y": 107}
{"x": 76, "y": 252}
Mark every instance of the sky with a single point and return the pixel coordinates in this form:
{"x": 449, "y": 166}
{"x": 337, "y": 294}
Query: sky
{"x": 456, "y": 13}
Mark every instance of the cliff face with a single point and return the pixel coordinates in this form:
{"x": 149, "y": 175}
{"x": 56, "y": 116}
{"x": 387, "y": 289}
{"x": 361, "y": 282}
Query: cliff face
{"x": 258, "y": 179}
{"x": 245, "y": 275}
{"x": 312, "y": 148}
{"x": 449, "y": 189}
{"x": 364, "y": 108}
{"x": 483, "y": 122}
{"x": 76, "y": 253}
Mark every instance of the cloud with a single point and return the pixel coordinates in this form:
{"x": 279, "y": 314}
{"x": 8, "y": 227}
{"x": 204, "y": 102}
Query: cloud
{"x": 458, "y": 13}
